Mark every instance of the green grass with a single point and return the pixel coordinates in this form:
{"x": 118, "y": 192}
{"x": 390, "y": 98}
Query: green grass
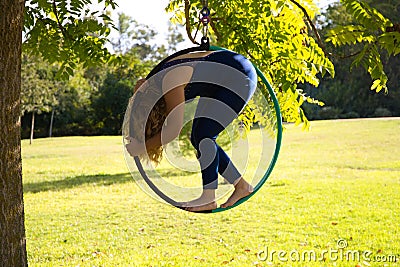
{"x": 341, "y": 180}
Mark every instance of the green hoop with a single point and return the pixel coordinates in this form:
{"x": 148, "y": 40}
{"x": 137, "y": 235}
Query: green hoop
{"x": 277, "y": 145}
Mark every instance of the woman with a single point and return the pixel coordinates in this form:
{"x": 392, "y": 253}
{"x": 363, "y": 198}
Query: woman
{"x": 224, "y": 81}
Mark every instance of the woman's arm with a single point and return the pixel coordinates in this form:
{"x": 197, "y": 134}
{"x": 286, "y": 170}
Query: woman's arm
{"x": 138, "y": 84}
{"x": 175, "y": 105}
{"x": 173, "y": 87}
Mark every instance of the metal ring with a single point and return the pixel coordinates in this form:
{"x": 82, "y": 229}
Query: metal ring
{"x": 205, "y": 12}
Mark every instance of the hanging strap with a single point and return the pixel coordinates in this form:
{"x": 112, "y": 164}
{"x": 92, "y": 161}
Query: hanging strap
{"x": 205, "y": 20}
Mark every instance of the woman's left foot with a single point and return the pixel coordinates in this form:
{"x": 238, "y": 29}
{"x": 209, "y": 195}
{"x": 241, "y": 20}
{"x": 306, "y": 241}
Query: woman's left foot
{"x": 242, "y": 189}
{"x": 205, "y": 207}
{"x": 205, "y": 202}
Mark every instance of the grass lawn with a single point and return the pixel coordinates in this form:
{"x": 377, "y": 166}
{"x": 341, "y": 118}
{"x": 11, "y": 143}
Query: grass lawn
{"x": 339, "y": 182}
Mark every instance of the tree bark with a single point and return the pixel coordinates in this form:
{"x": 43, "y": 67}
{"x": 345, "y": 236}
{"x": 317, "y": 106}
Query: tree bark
{"x": 12, "y": 229}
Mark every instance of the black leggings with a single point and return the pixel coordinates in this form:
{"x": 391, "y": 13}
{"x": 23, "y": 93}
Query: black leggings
{"x": 213, "y": 114}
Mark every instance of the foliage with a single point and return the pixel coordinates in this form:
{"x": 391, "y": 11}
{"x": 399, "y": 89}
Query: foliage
{"x": 371, "y": 30}
{"x": 275, "y": 37}
{"x": 38, "y": 90}
{"x": 347, "y": 92}
{"x": 73, "y": 114}
{"x": 68, "y": 32}
{"x": 137, "y": 57}
{"x": 93, "y": 100}
{"x": 111, "y": 102}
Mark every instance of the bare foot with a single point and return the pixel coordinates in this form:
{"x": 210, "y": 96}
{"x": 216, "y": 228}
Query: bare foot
{"x": 208, "y": 206}
{"x": 205, "y": 202}
{"x": 242, "y": 189}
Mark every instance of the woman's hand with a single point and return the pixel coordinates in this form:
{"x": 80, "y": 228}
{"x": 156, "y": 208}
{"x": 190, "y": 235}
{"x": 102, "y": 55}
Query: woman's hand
{"x": 138, "y": 84}
{"x": 135, "y": 148}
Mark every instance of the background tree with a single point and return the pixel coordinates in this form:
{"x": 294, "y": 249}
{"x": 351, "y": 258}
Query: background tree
{"x": 69, "y": 113}
{"x": 174, "y": 37}
{"x": 347, "y": 95}
{"x": 125, "y": 31}
{"x": 92, "y": 101}
{"x": 375, "y": 33}
{"x": 73, "y": 113}
{"x": 38, "y": 92}
{"x": 139, "y": 53}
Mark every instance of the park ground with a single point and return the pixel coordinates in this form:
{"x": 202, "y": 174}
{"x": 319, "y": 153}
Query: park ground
{"x": 335, "y": 192}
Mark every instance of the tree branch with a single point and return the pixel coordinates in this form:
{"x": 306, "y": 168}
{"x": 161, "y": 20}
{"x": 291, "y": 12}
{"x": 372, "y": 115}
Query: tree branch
{"x": 187, "y": 22}
{"x": 395, "y": 28}
{"x": 347, "y": 56}
{"x": 213, "y": 26}
{"x": 215, "y": 30}
{"x": 197, "y": 30}
{"x": 319, "y": 39}
{"x": 60, "y": 26}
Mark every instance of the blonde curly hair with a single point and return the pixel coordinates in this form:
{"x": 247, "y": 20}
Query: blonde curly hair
{"x": 145, "y": 119}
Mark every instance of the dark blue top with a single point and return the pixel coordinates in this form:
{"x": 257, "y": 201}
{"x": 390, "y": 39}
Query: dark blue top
{"x": 202, "y": 72}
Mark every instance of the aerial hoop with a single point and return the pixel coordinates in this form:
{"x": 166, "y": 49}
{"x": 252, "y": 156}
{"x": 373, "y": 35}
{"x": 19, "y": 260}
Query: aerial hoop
{"x": 275, "y": 137}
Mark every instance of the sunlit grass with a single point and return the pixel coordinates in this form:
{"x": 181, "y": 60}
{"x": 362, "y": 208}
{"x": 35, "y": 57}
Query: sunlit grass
{"x": 340, "y": 180}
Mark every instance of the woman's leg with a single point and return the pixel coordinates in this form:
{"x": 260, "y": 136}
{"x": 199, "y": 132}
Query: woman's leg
{"x": 212, "y": 116}
{"x": 204, "y": 133}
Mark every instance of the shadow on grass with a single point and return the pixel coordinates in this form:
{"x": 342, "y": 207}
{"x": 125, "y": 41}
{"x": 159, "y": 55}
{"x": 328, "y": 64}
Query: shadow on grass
{"x": 76, "y": 181}
{"x": 94, "y": 180}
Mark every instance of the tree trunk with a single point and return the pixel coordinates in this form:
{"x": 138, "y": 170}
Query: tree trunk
{"x": 32, "y": 127}
{"x": 51, "y": 123}
{"x": 12, "y": 229}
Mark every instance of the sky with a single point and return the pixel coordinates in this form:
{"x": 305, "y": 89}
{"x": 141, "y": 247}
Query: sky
{"x": 148, "y": 12}
{"x": 152, "y": 13}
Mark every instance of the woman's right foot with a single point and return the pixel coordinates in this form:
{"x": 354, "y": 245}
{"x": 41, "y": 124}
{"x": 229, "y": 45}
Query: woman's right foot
{"x": 242, "y": 189}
